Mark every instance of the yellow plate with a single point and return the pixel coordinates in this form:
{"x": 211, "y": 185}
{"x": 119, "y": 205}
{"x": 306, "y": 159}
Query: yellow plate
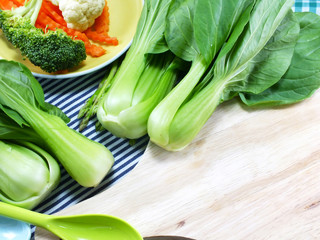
{"x": 124, "y": 16}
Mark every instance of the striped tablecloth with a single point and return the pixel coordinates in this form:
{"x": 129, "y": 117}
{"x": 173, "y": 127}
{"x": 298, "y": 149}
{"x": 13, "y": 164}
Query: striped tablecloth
{"x": 70, "y": 95}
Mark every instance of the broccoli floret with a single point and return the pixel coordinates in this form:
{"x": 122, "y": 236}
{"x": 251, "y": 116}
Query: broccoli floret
{"x": 52, "y": 51}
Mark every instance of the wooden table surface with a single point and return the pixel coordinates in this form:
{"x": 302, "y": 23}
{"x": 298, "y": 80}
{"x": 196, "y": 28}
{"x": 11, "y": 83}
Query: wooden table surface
{"x": 249, "y": 174}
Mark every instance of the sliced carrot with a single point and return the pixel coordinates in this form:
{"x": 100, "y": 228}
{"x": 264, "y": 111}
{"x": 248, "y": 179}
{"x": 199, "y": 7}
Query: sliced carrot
{"x": 95, "y": 50}
{"x": 100, "y": 37}
{"x": 101, "y": 24}
{"x": 18, "y": 3}
{"x": 91, "y": 49}
{"x": 7, "y": 5}
{"x": 52, "y": 6}
{"x": 53, "y": 11}
{"x": 45, "y": 22}
{"x": 99, "y": 31}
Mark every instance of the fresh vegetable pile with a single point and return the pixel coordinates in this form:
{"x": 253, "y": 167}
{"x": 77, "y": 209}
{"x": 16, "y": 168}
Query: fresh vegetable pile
{"x": 259, "y": 51}
{"x": 41, "y": 33}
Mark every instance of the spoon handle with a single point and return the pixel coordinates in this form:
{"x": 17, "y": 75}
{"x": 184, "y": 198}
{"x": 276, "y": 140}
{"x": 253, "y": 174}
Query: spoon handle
{"x": 24, "y": 215}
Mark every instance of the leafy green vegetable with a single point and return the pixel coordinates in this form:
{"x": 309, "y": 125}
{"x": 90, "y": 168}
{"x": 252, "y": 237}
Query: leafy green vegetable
{"x": 303, "y": 76}
{"x": 155, "y": 82}
{"x": 224, "y": 16}
{"x": 148, "y": 34}
{"x": 230, "y": 73}
{"x": 52, "y": 51}
{"x": 10, "y": 130}
{"x": 86, "y": 161}
{"x": 256, "y": 49}
{"x": 197, "y": 36}
{"x": 141, "y": 80}
{"x": 28, "y": 174}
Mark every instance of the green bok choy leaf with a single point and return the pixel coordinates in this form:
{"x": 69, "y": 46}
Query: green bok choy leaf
{"x": 22, "y": 98}
{"x": 11, "y": 130}
{"x": 302, "y": 78}
{"x": 28, "y": 174}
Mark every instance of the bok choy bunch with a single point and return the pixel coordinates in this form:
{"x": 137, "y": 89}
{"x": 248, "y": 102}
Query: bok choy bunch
{"x": 241, "y": 66}
{"x": 257, "y": 50}
{"x": 28, "y": 174}
{"x": 195, "y": 31}
{"x": 22, "y": 99}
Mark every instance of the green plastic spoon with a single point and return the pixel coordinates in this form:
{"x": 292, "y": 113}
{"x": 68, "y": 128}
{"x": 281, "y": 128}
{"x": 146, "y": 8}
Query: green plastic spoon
{"x": 77, "y": 227}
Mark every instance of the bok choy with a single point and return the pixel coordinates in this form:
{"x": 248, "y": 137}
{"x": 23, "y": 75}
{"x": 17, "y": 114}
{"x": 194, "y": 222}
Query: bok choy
{"x": 173, "y": 126}
{"x": 154, "y": 83}
{"x": 144, "y": 77}
{"x": 28, "y": 174}
{"x": 22, "y": 99}
{"x": 258, "y": 50}
{"x": 195, "y": 31}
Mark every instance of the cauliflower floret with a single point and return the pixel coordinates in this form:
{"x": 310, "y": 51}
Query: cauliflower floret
{"x": 80, "y": 14}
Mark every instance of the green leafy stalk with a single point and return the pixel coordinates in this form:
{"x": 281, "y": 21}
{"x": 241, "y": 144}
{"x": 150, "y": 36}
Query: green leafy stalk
{"x": 147, "y": 39}
{"x": 244, "y": 66}
{"x": 155, "y": 82}
{"x": 86, "y": 161}
{"x": 28, "y": 174}
{"x": 127, "y": 93}
{"x": 10, "y": 130}
{"x": 163, "y": 114}
{"x": 195, "y": 31}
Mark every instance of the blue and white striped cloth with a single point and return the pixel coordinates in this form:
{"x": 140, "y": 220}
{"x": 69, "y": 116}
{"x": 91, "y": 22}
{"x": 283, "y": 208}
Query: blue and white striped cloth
{"x": 70, "y": 95}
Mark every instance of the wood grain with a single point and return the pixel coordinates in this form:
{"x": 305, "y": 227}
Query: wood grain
{"x": 249, "y": 174}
